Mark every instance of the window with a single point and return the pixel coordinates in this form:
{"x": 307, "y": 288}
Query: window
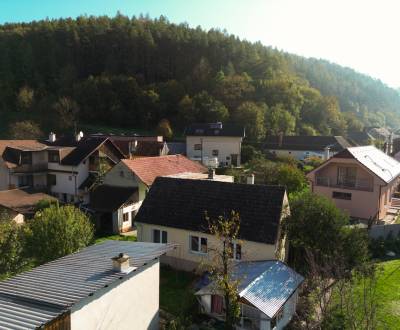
{"x": 121, "y": 174}
{"x": 198, "y": 244}
{"x": 346, "y": 176}
{"x": 26, "y": 158}
{"x": 54, "y": 156}
{"x": 215, "y": 152}
{"x": 236, "y": 251}
{"x": 70, "y": 178}
{"x": 341, "y": 195}
{"x": 197, "y": 146}
{"x": 125, "y": 217}
{"x": 228, "y": 157}
{"x": 160, "y": 236}
{"x": 25, "y": 181}
{"x": 51, "y": 179}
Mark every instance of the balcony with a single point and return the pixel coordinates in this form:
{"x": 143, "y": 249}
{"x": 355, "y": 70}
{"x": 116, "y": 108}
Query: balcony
{"x": 359, "y": 184}
{"x": 30, "y": 169}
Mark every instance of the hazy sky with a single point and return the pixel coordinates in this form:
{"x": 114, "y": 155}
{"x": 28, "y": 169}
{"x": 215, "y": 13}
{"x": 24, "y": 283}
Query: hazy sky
{"x": 362, "y": 34}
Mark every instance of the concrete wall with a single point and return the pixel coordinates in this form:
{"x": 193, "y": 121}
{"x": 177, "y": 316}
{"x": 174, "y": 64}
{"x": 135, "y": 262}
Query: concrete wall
{"x": 383, "y": 231}
{"x": 131, "y": 303}
{"x": 225, "y": 145}
{"x": 183, "y": 258}
{"x": 363, "y": 204}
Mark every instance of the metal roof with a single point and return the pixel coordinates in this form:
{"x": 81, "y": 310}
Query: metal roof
{"x": 267, "y": 285}
{"x": 381, "y": 164}
{"x": 33, "y": 298}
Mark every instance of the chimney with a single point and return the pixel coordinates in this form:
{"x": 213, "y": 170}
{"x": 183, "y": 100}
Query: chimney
{"x": 327, "y": 153}
{"x": 52, "y": 137}
{"x": 211, "y": 174}
{"x": 250, "y": 179}
{"x": 219, "y": 125}
{"x": 79, "y": 136}
{"x": 132, "y": 148}
{"x": 121, "y": 263}
{"x": 280, "y": 139}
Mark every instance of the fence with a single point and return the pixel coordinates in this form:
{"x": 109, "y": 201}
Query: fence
{"x": 383, "y": 231}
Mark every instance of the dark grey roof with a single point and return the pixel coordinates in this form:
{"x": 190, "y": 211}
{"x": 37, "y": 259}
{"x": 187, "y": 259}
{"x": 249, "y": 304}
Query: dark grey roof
{"x": 110, "y": 198}
{"x": 267, "y": 285}
{"x": 34, "y": 298}
{"x": 315, "y": 143}
{"x": 182, "y": 203}
{"x": 176, "y": 148}
{"x": 214, "y": 129}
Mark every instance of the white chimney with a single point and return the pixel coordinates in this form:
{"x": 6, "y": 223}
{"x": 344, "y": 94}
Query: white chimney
{"x": 250, "y": 179}
{"x": 211, "y": 173}
{"x": 327, "y": 153}
{"x": 52, "y": 137}
{"x": 121, "y": 263}
{"x": 79, "y": 136}
{"x": 132, "y": 147}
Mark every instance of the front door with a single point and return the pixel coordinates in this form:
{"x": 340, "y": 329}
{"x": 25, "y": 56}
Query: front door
{"x": 216, "y": 304}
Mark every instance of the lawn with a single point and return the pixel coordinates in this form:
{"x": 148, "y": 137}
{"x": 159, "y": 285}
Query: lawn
{"x": 117, "y": 237}
{"x": 176, "y": 292}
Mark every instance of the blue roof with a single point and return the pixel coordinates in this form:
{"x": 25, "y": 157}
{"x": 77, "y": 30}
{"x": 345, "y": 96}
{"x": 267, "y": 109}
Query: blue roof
{"x": 267, "y": 285}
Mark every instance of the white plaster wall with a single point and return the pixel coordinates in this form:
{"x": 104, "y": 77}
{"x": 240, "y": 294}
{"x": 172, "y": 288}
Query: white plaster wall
{"x": 131, "y": 303}
{"x": 120, "y": 176}
{"x": 225, "y": 145}
{"x": 118, "y": 224}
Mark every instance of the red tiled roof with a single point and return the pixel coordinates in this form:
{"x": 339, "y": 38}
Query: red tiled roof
{"x": 149, "y": 168}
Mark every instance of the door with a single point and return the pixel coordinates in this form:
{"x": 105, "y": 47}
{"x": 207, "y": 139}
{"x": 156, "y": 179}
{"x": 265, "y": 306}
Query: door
{"x": 216, "y": 304}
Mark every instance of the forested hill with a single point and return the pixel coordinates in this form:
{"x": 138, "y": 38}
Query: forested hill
{"x": 127, "y": 72}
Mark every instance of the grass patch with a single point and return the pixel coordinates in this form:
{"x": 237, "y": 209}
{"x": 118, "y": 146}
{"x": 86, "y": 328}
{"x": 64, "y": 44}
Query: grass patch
{"x": 176, "y": 292}
{"x": 117, "y": 237}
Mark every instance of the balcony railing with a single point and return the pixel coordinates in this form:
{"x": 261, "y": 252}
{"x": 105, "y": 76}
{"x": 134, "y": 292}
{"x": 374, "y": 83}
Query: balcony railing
{"x": 359, "y": 184}
{"x": 33, "y": 168}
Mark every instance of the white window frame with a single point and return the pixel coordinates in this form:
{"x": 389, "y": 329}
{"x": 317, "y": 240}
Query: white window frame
{"x": 235, "y": 244}
{"x": 127, "y": 215}
{"x": 160, "y": 236}
{"x": 198, "y": 251}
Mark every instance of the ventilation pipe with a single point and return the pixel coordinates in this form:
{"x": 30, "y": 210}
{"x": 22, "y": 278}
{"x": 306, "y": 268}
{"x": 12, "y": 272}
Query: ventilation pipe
{"x": 327, "y": 153}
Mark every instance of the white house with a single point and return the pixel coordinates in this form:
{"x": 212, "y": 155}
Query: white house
{"x": 109, "y": 286}
{"x": 64, "y": 167}
{"x": 268, "y": 293}
{"x": 214, "y": 144}
{"x": 302, "y": 147}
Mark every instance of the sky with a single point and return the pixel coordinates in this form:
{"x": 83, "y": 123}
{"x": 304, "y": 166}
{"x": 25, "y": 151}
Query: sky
{"x": 361, "y": 34}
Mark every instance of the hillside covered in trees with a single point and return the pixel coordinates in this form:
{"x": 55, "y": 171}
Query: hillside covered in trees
{"x": 134, "y": 72}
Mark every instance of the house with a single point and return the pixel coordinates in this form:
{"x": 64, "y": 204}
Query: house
{"x": 128, "y": 182}
{"x": 111, "y": 285}
{"x": 268, "y": 293}
{"x": 302, "y": 147}
{"x": 174, "y": 211}
{"x": 20, "y": 204}
{"x": 141, "y": 146}
{"x": 359, "y": 180}
{"x": 214, "y": 144}
{"x": 64, "y": 167}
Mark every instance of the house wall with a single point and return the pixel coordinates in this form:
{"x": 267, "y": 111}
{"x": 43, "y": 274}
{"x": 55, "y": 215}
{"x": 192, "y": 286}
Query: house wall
{"x": 299, "y": 154}
{"x": 131, "y": 303}
{"x": 363, "y": 204}
{"x": 120, "y": 176}
{"x": 119, "y": 226}
{"x": 185, "y": 259}
{"x": 225, "y": 145}
{"x": 4, "y": 176}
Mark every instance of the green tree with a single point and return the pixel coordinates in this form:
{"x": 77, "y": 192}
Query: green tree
{"x": 57, "y": 231}
{"x": 252, "y": 116}
{"x": 67, "y": 112}
{"x": 25, "y": 98}
{"x": 164, "y": 129}
{"x": 221, "y": 265}
{"x": 24, "y": 130}
{"x": 278, "y": 120}
{"x": 207, "y": 109}
{"x": 11, "y": 246}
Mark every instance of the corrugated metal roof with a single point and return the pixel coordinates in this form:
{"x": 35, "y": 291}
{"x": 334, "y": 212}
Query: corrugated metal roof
{"x": 35, "y": 297}
{"x": 384, "y": 166}
{"x": 267, "y": 285}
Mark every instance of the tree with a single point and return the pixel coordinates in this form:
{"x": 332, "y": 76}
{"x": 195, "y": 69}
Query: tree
{"x": 11, "y": 246}
{"x": 24, "y": 130}
{"x": 25, "y": 98}
{"x": 207, "y": 109}
{"x": 226, "y": 231}
{"x": 252, "y": 116}
{"x": 278, "y": 120}
{"x": 67, "y": 110}
{"x": 164, "y": 129}
{"x": 57, "y": 231}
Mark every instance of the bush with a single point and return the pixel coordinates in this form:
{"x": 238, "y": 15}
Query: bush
{"x": 57, "y": 231}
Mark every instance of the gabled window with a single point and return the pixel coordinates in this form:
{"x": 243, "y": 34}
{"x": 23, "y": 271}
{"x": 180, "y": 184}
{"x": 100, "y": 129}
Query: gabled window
{"x": 198, "y": 244}
{"x": 160, "y": 236}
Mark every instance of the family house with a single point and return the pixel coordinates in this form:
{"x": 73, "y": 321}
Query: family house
{"x": 59, "y": 166}
{"x": 125, "y": 186}
{"x": 359, "y": 180}
{"x": 111, "y": 285}
{"x": 141, "y": 146}
{"x": 303, "y": 147}
{"x": 214, "y": 144}
{"x": 268, "y": 292}
{"x": 174, "y": 211}
{"x": 20, "y": 204}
